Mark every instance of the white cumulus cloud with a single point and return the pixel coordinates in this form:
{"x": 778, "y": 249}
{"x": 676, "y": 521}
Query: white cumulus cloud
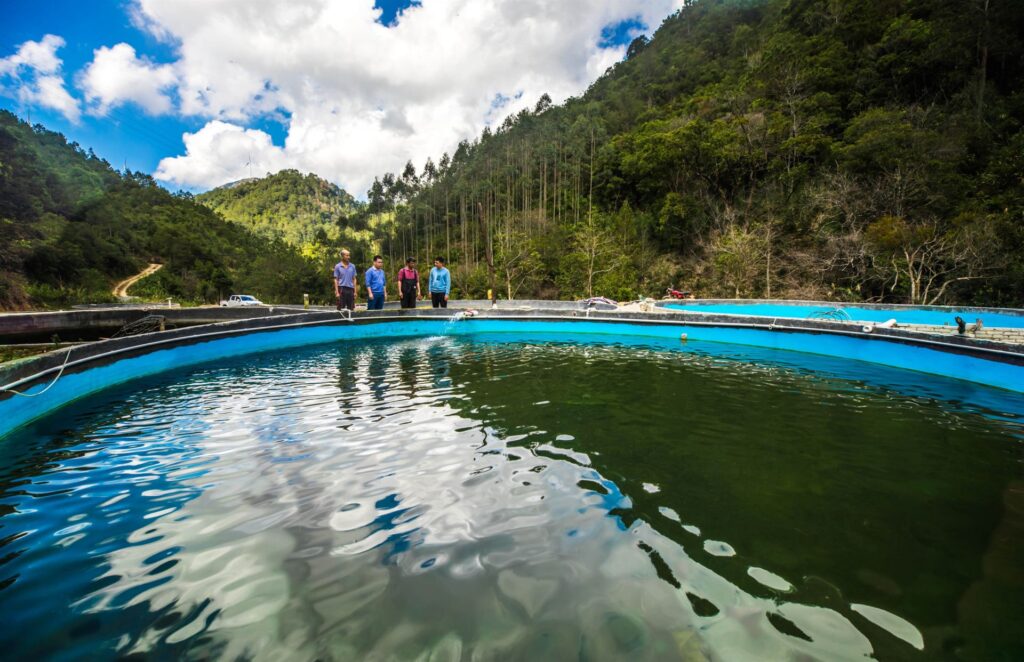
{"x": 117, "y": 76}
{"x": 360, "y": 98}
{"x": 32, "y": 75}
{"x": 222, "y": 152}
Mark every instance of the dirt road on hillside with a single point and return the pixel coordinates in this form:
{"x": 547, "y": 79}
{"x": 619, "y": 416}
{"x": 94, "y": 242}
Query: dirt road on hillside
{"x": 121, "y": 289}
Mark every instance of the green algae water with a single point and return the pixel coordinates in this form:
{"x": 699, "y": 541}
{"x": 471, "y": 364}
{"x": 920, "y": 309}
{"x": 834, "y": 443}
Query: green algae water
{"x": 518, "y": 497}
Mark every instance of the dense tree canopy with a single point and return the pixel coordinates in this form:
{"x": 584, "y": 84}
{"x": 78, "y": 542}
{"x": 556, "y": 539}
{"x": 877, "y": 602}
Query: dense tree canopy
{"x": 295, "y": 208}
{"x": 306, "y": 212}
{"x": 803, "y": 148}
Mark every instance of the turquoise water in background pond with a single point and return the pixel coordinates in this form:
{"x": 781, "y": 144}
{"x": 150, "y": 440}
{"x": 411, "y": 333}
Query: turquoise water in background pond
{"x": 519, "y": 497}
{"x": 903, "y": 315}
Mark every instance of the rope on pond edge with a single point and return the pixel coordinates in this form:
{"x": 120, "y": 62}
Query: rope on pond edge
{"x": 48, "y": 386}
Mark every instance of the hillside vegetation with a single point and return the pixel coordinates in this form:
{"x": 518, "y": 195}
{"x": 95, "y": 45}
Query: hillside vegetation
{"x": 71, "y": 226}
{"x": 825, "y": 149}
{"x": 295, "y": 208}
{"x": 837, "y": 149}
{"x": 306, "y": 212}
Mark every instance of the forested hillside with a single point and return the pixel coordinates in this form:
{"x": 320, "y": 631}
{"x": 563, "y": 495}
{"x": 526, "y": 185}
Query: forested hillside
{"x": 304, "y": 211}
{"x": 70, "y": 226}
{"x": 843, "y": 149}
{"x": 295, "y": 208}
{"x": 832, "y": 149}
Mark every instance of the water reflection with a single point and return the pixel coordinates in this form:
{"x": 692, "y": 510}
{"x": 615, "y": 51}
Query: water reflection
{"x": 389, "y": 500}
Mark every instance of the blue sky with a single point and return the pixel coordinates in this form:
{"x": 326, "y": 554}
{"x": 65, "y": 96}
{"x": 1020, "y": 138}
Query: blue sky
{"x": 375, "y": 123}
{"x": 130, "y": 137}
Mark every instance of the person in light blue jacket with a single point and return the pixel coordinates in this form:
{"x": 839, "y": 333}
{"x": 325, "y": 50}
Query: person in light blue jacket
{"x": 440, "y": 284}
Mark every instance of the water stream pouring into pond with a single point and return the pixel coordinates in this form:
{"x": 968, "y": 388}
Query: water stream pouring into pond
{"x": 461, "y": 315}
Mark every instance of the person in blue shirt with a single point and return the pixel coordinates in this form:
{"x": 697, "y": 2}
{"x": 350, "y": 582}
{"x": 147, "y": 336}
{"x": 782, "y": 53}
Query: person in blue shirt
{"x": 345, "y": 282}
{"x": 375, "y": 282}
{"x": 440, "y": 284}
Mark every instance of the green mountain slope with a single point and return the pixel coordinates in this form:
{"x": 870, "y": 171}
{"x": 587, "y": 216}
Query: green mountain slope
{"x": 295, "y": 208}
{"x": 803, "y": 148}
{"x": 70, "y": 226}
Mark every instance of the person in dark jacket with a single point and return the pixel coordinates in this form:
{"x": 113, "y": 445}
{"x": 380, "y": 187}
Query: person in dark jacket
{"x": 409, "y": 283}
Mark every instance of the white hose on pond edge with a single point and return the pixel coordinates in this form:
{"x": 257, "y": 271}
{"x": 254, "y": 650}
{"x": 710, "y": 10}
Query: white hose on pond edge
{"x": 48, "y": 386}
{"x": 888, "y": 324}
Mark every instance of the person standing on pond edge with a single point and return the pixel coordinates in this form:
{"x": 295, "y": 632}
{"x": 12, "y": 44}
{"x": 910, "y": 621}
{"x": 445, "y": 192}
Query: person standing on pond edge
{"x": 440, "y": 284}
{"x": 375, "y": 282}
{"x": 345, "y": 282}
{"x": 409, "y": 283}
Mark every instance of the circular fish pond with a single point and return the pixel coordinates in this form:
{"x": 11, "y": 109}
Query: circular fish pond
{"x": 503, "y": 496}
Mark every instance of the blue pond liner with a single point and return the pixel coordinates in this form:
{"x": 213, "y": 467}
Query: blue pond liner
{"x": 902, "y": 314}
{"x": 17, "y": 411}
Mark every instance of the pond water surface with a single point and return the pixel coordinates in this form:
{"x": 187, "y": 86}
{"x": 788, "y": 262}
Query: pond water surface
{"x": 518, "y": 497}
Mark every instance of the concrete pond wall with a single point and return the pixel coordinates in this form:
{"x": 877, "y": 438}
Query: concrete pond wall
{"x": 54, "y": 379}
